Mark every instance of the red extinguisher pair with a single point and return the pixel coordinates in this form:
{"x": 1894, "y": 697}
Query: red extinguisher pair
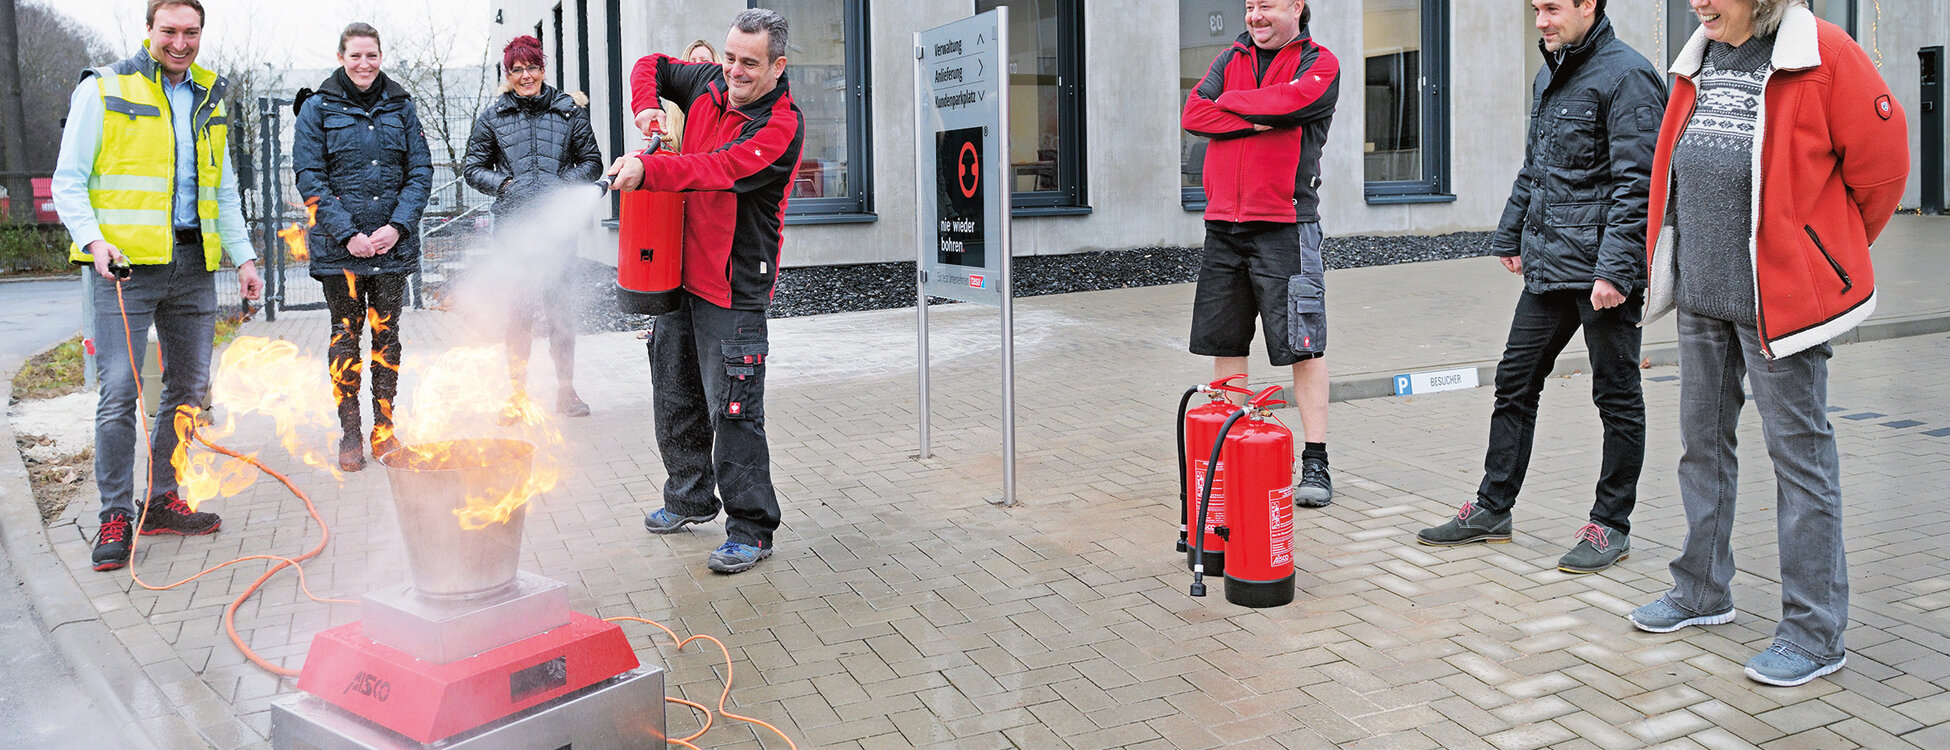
{"x": 650, "y": 246}
{"x": 1236, "y": 494}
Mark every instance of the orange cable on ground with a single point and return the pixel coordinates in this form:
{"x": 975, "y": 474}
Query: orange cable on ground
{"x": 722, "y": 696}
{"x": 230, "y": 612}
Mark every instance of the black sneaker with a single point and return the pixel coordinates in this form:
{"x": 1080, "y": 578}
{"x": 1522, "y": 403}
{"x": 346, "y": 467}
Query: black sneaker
{"x": 352, "y": 453}
{"x": 168, "y": 514}
{"x": 1315, "y": 489}
{"x": 1471, "y": 524}
{"x": 112, "y": 542}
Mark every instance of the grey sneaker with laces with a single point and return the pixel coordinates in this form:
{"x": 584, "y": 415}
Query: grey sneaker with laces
{"x": 1315, "y": 488}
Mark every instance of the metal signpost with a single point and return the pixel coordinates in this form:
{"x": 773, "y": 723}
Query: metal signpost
{"x": 961, "y": 163}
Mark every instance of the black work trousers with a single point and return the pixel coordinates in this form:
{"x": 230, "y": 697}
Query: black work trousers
{"x": 354, "y": 302}
{"x": 707, "y": 367}
{"x": 1542, "y": 325}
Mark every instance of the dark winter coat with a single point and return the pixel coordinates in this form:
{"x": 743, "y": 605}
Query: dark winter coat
{"x": 541, "y": 142}
{"x": 366, "y": 169}
{"x": 1577, "y": 212}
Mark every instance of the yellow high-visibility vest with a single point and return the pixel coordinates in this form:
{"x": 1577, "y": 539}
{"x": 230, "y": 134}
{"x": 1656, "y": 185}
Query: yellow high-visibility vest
{"x": 132, "y": 184}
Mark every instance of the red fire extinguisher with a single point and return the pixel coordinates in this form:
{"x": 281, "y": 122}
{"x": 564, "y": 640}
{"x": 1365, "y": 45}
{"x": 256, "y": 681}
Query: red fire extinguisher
{"x": 650, "y": 247}
{"x": 1197, "y": 428}
{"x": 1256, "y": 469}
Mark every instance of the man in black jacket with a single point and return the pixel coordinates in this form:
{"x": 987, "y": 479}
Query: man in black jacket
{"x": 1575, "y": 229}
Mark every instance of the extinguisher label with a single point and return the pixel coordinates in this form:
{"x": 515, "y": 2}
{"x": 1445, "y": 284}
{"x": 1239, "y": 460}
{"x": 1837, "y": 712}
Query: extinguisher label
{"x": 1279, "y": 507}
{"x": 1215, "y": 511}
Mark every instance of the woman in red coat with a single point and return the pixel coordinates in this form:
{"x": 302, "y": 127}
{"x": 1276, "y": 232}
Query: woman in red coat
{"x": 1781, "y": 158}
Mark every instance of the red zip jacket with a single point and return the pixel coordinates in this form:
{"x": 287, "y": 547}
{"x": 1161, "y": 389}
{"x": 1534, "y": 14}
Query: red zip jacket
{"x": 1830, "y": 163}
{"x": 740, "y": 162}
{"x": 1265, "y": 175}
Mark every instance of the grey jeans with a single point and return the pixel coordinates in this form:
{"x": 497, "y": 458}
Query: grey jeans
{"x": 180, "y": 300}
{"x": 1791, "y": 394}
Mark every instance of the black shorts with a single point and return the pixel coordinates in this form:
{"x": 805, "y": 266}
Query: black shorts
{"x": 1269, "y": 269}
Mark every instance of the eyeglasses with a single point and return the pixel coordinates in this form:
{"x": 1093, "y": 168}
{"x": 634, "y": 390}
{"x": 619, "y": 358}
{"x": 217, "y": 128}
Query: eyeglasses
{"x": 525, "y": 69}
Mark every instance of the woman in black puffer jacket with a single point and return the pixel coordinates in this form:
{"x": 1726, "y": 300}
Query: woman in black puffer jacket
{"x": 530, "y": 141}
{"x": 361, "y": 156}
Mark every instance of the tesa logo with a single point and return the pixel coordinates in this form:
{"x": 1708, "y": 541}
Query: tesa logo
{"x": 976, "y": 282}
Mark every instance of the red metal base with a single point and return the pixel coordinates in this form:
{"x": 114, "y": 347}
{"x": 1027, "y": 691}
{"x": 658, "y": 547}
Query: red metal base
{"x": 429, "y": 702}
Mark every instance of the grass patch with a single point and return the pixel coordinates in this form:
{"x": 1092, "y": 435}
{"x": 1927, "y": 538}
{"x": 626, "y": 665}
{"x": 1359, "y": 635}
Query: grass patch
{"x": 54, "y": 373}
{"x": 33, "y": 249}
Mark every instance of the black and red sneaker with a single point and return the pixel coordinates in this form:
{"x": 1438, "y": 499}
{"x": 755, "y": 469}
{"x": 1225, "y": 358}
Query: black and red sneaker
{"x": 168, "y": 514}
{"x": 112, "y": 542}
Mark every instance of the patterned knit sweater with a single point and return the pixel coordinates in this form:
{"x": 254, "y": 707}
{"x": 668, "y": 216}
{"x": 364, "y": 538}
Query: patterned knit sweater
{"x": 1713, "y": 173}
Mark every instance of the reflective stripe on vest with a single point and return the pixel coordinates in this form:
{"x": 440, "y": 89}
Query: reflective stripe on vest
{"x": 132, "y": 185}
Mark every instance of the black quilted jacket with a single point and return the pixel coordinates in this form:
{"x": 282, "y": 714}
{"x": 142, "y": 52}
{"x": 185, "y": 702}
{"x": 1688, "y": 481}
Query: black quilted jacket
{"x": 522, "y": 146}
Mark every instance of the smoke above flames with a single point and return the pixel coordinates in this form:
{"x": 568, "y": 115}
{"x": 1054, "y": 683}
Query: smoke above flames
{"x": 447, "y": 396}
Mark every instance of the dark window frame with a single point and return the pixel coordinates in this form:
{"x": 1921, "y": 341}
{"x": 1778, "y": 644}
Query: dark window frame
{"x": 582, "y": 44}
{"x": 857, "y": 206}
{"x": 561, "y": 68}
{"x": 1072, "y": 194}
{"x": 1433, "y": 58}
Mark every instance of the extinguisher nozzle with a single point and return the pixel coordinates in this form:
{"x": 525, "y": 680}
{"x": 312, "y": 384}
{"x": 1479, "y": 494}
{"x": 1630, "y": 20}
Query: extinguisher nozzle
{"x": 603, "y": 184}
{"x": 1198, "y": 589}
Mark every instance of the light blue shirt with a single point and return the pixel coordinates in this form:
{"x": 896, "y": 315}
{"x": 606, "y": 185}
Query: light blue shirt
{"x": 81, "y": 142}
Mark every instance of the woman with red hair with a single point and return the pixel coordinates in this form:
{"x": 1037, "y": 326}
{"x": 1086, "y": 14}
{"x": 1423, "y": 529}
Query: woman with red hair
{"x": 531, "y": 140}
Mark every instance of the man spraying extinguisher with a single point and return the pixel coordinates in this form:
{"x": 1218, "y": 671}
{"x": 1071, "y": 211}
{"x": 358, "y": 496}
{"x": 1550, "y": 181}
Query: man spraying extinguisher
{"x": 707, "y": 357}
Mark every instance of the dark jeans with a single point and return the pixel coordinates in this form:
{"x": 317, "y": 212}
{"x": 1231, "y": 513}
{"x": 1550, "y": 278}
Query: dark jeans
{"x": 354, "y": 301}
{"x": 180, "y": 300}
{"x": 1542, "y": 325}
{"x": 707, "y": 367}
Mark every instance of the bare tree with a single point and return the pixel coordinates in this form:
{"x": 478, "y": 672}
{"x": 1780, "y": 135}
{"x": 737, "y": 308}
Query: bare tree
{"x": 449, "y": 96}
{"x": 254, "y": 67}
{"x": 54, "y": 50}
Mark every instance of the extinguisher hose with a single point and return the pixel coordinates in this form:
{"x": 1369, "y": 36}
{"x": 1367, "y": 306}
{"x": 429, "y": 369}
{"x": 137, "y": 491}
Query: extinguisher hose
{"x": 1205, "y": 502}
{"x": 1184, "y": 485}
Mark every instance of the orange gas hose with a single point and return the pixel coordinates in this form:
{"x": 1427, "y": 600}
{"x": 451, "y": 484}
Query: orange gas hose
{"x": 722, "y": 696}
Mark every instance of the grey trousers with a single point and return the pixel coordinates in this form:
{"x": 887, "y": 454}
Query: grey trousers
{"x": 1791, "y": 394}
{"x": 180, "y": 300}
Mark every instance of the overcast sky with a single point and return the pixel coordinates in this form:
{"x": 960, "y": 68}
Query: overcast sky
{"x": 298, "y": 33}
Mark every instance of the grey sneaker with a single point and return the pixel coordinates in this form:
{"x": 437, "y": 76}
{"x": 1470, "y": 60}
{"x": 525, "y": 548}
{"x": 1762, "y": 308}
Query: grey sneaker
{"x": 1599, "y": 547}
{"x": 1315, "y": 488}
{"x": 732, "y": 557}
{"x": 662, "y": 521}
{"x": 1662, "y": 616}
{"x": 1471, "y": 524}
{"x": 1786, "y": 666}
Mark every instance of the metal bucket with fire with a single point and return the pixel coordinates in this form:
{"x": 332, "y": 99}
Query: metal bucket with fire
{"x": 452, "y": 551}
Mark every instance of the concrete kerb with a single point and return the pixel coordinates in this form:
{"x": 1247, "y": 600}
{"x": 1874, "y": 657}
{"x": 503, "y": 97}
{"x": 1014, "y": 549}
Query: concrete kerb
{"x": 108, "y": 673}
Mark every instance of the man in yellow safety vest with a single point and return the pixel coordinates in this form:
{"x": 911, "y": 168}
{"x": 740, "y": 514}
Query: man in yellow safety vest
{"x": 145, "y": 187}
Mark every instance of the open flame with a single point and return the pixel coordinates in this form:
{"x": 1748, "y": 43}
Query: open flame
{"x": 294, "y": 235}
{"x": 457, "y": 394}
{"x": 203, "y": 475}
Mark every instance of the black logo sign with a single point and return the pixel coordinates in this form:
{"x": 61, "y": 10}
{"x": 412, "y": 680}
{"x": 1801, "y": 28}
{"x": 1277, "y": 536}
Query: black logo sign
{"x": 371, "y": 686}
{"x": 958, "y": 197}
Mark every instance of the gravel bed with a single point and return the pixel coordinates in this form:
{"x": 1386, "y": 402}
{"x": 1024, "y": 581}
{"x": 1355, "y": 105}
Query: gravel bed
{"x": 815, "y": 290}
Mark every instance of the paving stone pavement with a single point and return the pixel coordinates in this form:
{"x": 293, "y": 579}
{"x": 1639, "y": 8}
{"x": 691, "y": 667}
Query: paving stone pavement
{"x": 903, "y": 610}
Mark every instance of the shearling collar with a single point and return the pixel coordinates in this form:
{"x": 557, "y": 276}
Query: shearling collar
{"x": 1796, "y": 45}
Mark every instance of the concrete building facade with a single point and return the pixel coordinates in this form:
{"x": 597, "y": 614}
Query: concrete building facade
{"x": 1428, "y": 136}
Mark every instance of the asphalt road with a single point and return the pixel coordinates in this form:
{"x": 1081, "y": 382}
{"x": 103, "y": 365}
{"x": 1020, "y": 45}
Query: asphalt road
{"x": 41, "y": 704}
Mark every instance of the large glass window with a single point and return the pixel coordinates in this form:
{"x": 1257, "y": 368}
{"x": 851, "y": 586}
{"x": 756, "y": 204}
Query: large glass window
{"x": 1405, "y": 123}
{"x": 1045, "y": 103}
{"x": 1205, "y": 28}
{"x": 826, "y": 56}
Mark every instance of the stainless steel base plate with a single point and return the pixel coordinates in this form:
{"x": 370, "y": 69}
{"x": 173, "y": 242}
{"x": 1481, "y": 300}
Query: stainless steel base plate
{"x": 443, "y": 631}
{"x": 625, "y": 712}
